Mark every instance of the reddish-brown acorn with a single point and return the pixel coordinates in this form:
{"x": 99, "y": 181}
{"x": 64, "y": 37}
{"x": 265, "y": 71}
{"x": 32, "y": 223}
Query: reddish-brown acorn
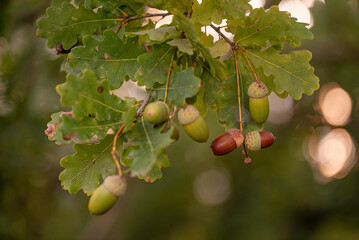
{"x": 257, "y": 140}
{"x": 227, "y": 142}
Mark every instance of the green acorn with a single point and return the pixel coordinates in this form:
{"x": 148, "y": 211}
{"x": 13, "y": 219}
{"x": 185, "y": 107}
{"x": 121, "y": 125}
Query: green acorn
{"x": 171, "y": 125}
{"x": 258, "y": 102}
{"x": 257, "y": 140}
{"x": 156, "y": 112}
{"x": 106, "y": 195}
{"x": 193, "y": 123}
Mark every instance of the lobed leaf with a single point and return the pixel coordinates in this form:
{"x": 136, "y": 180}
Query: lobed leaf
{"x": 90, "y": 163}
{"x": 262, "y": 26}
{"x": 183, "y": 84}
{"x": 297, "y": 32}
{"x": 108, "y": 57}
{"x": 291, "y": 72}
{"x": 156, "y": 172}
{"x": 183, "y": 44}
{"x": 90, "y": 98}
{"x": 158, "y": 35}
{"x": 150, "y": 152}
{"x": 67, "y": 23}
{"x": 89, "y": 129}
{"x": 154, "y": 66}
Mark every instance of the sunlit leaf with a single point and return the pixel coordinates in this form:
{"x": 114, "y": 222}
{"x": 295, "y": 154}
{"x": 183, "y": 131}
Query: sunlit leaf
{"x": 297, "y": 32}
{"x": 292, "y": 72}
{"x": 262, "y": 26}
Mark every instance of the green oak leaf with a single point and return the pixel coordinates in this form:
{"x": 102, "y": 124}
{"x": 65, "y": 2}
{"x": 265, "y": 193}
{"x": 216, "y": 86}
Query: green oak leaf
{"x": 207, "y": 12}
{"x": 183, "y": 44}
{"x": 227, "y": 99}
{"x": 154, "y": 65}
{"x": 89, "y": 129}
{"x": 90, "y": 163}
{"x": 297, "y": 32}
{"x": 292, "y": 72}
{"x": 58, "y": 3}
{"x": 183, "y": 84}
{"x": 262, "y": 26}
{"x": 90, "y": 98}
{"x": 64, "y": 25}
{"x": 65, "y": 67}
{"x": 235, "y": 9}
{"x": 151, "y": 144}
{"x": 219, "y": 48}
{"x": 128, "y": 6}
{"x": 108, "y": 57}
{"x": 171, "y": 5}
{"x": 212, "y": 84}
{"x": 156, "y": 173}
{"x": 53, "y": 132}
{"x": 215, "y": 10}
{"x": 158, "y": 35}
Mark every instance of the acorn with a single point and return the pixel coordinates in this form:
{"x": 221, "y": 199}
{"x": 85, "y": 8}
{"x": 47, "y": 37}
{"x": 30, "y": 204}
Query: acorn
{"x": 156, "y": 112}
{"x": 227, "y": 142}
{"x": 168, "y": 125}
{"x": 258, "y": 102}
{"x": 106, "y": 195}
{"x": 193, "y": 123}
{"x": 257, "y": 140}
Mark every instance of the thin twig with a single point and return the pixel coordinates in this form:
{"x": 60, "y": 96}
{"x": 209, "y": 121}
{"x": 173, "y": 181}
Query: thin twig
{"x": 138, "y": 113}
{"x": 169, "y": 74}
{"x": 143, "y": 104}
{"x": 238, "y": 91}
{"x": 147, "y": 15}
{"x": 113, "y": 152}
{"x": 249, "y": 63}
{"x": 230, "y": 42}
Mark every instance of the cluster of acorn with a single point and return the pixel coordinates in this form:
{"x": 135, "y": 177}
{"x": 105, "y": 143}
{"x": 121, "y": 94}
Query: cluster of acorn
{"x": 158, "y": 114}
{"x": 254, "y": 141}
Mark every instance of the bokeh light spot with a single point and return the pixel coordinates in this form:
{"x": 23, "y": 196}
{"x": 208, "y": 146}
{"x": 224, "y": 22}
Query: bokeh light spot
{"x": 335, "y": 104}
{"x": 212, "y": 187}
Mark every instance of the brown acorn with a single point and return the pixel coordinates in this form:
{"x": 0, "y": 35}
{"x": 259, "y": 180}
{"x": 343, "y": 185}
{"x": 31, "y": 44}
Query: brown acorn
{"x": 257, "y": 140}
{"x": 227, "y": 142}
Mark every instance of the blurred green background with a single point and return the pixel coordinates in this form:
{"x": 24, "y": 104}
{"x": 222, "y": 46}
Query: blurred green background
{"x": 299, "y": 188}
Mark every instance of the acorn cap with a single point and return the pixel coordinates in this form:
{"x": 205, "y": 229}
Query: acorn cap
{"x": 257, "y": 90}
{"x": 253, "y": 141}
{"x": 188, "y": 114}
{"x": 237, "y": 135}
{"x": 115, "y": 184}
